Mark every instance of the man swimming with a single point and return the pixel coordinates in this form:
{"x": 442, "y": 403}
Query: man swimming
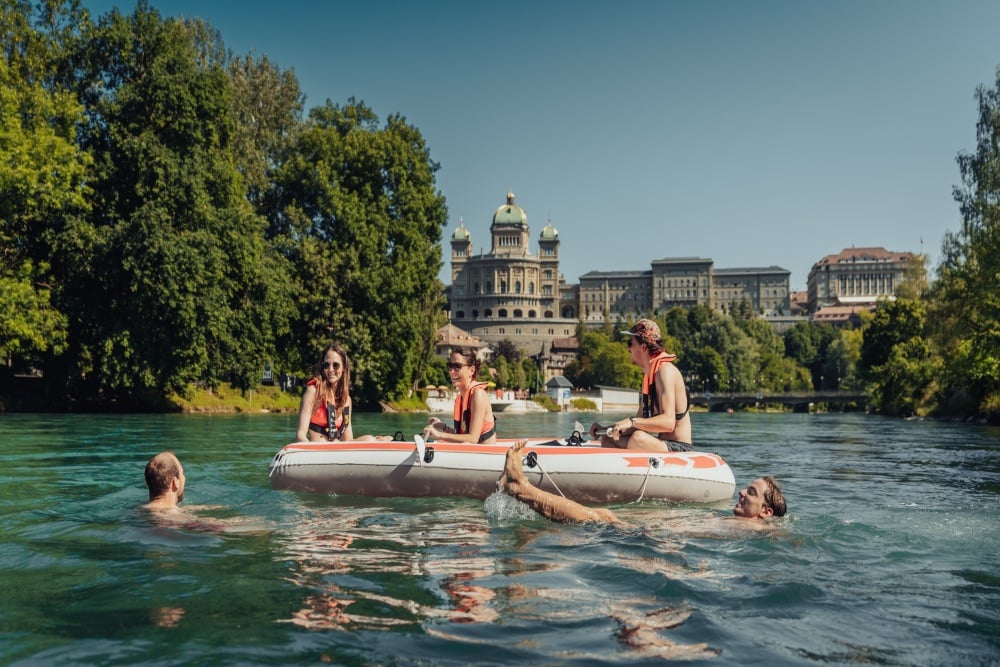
{"x": 760, "y": 500}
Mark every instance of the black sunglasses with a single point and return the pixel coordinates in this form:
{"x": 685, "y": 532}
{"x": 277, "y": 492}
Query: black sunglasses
{"x": 452, "y": 366}
{"x": 334, "y": 364}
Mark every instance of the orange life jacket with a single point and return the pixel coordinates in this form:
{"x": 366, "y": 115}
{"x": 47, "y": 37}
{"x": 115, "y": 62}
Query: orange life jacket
{"x": 463, "y": 413}
{"x": 319, "y": 422}
{"x": 650, "y": 397}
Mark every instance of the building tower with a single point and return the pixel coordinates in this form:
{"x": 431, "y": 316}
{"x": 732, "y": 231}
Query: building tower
{"x": 508, "y": 293}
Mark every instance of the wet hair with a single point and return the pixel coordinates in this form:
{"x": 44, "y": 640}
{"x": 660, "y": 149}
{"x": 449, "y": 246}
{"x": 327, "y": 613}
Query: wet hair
{"x": 469, "y": 357}
{"x": 333, "y": 394}
{"x": 160, "y": 471}
{"x": 773, "y": 497}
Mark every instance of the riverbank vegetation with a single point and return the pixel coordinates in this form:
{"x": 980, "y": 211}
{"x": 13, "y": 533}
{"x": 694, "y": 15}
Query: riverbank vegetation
{"x": 172, "y": 218}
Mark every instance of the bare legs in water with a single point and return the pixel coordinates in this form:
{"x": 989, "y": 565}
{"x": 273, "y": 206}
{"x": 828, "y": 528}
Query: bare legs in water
{"x": 549, "y": 505}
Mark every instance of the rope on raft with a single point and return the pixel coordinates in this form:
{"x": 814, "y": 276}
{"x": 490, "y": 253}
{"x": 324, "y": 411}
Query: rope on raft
{"x": 546, "y": 475}
{"x": 653, "y": 463}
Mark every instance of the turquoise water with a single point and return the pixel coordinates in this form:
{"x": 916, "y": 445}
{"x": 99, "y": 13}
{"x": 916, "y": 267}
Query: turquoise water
{"x": 889, "y": 555}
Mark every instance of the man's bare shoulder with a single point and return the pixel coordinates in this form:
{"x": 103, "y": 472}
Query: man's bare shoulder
{"x": 188, "y": 518}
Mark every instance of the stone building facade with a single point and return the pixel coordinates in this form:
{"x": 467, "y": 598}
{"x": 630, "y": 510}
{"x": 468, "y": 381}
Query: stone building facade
{"x": 854, "y": 279}
{"x": 510, "y": 292}
{"x": 684, "y": 282}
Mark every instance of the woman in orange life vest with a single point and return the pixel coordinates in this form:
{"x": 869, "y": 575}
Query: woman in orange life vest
{"x": 663, "y": 421}
{"x": 326, "y": 399}
{"x": 474, "y": 421}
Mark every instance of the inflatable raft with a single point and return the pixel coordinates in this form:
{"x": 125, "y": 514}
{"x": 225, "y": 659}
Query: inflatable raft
{"x": 582, "y": 471}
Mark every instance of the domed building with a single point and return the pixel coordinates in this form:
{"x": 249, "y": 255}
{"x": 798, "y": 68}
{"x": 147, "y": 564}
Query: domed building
{"x": 509, "y": 292}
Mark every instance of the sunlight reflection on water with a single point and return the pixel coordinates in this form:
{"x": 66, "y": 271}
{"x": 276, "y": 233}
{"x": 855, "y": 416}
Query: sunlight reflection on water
{"x": 884, "y": 545}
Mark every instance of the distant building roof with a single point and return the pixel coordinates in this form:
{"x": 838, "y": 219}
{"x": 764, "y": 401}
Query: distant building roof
{"x": 450, "y": 336}
{"x": 615, "y": 274}
{"x": 840, "y": 314}
{"x": 750, "y": 269}
{"x": 798, "y": 302}
{"x": 865, "y": 255}
{"x": 567, "y": 344}
{"x": 560, "y": 382}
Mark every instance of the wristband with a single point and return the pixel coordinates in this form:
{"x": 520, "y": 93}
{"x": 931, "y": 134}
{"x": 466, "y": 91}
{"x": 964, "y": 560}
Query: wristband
{"x": 632, "y": 419}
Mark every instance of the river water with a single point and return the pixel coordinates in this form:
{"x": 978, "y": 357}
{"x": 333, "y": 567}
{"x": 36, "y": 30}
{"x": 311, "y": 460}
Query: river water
{"x": 889, "y": 554}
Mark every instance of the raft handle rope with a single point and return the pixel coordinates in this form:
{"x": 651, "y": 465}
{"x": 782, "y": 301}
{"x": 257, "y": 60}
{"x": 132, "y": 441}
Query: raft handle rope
{"x": 653, "y": 463}
{"x": 531, "y": 460}
{"x": 277, "y": 461}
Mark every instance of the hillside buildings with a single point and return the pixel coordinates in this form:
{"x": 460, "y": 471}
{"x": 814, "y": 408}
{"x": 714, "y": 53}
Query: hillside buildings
{"x": 855, "y": 279}
{"x": 684, "y": 282}
{"x": 514, "y": 293}
{"x": 510, "y": 292}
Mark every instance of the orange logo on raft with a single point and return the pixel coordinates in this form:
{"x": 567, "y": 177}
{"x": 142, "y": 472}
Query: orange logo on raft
{"x": 696, "y": 461}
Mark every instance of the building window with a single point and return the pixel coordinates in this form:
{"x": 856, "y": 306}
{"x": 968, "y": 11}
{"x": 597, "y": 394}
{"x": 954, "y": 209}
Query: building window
{"x": 518, "y": 313}
{"x": 502, "y": 312}
{"x": 460, "y": 314}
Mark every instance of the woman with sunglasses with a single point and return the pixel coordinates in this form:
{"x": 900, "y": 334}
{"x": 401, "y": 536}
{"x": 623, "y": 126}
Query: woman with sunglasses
{"x": 325, "y": 411}
{"x": 474, "y": 421}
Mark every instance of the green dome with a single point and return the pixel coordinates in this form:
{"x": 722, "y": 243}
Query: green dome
{"x": 461, "y": 234}
{"x": 549, "y": 232}
{"x": 510, "y": 213}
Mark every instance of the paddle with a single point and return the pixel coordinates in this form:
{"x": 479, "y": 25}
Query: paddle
{"x": 419, "y": 442}
{"x": 579, "y": 428}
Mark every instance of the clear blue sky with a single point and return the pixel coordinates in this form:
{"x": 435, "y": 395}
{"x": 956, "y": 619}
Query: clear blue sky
{"x": 752, "y": 133}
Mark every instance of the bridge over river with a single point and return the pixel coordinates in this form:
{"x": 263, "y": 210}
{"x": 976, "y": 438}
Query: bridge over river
{"x": 799, "y": 401}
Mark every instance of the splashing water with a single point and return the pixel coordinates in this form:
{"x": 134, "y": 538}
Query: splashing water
{"x": 502, "y": 507}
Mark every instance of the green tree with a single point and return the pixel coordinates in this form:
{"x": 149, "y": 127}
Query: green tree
{"x": 896, "y": 358}
{"x": 602, "y": 361}
{"x": 534, "y": 379}
{"x": 267, "y": 106}
{"x": 914, "y": 285}
{"x": 808, "y": 344}
{"x": 360, "y": 220}
{"x": 892, "y": 322}
{"x": 701, "y": 327}
{"x": 42, "y": 192}
{"x": 29, "y": 325}
{"x": 708, "y": 366}
{"x": 503, "y": 371}
{"x": 966, "y": 299}
{"x": 176, "y": 283}
{"x": 905, "y": 380}
{"x": 842, "y": 358}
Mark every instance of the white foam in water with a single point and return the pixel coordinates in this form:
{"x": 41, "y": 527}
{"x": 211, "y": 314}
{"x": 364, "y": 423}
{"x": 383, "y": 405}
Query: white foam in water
{"x": 500, "y": 506}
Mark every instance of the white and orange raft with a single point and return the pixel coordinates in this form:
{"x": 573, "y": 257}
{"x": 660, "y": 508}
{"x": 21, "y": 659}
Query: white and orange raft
{"x": 582, "y": 471}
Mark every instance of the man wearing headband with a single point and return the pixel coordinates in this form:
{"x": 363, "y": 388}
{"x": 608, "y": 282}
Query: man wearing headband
{"x": 663, "y": 420}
